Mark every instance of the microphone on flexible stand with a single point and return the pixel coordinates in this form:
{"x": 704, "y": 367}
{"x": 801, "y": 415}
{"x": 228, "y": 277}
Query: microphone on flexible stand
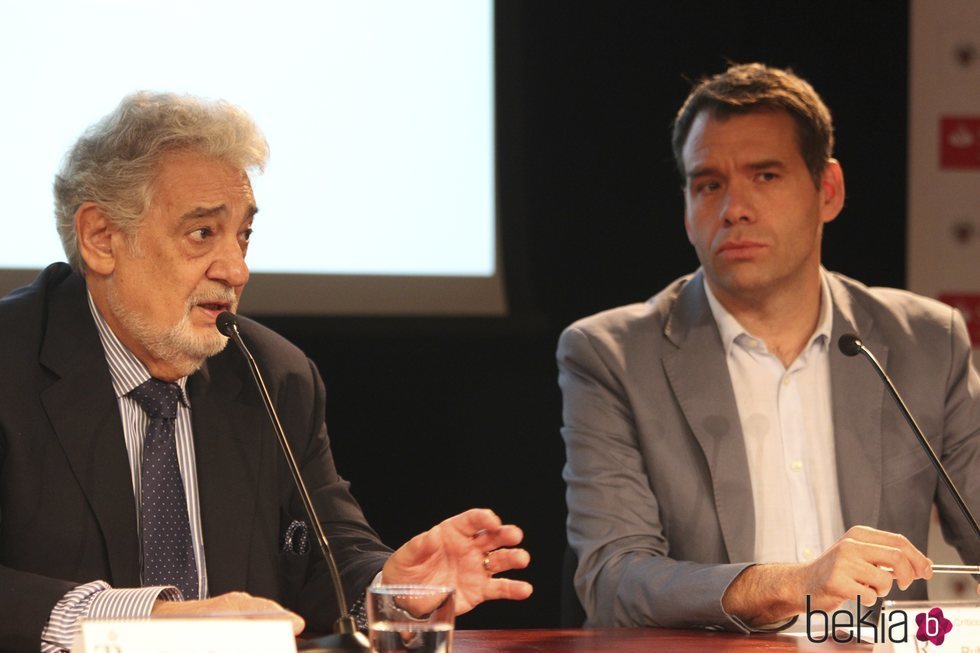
{"x": 851, "y": 345}
{"x": 346, "y": 637}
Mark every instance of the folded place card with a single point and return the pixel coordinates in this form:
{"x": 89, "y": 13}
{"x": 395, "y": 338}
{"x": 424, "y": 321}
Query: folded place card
{"x": 210, "y": 635}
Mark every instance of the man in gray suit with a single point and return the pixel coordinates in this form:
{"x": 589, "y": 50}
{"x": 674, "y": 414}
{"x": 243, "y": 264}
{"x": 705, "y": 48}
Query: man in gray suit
{"x": 726, "y": 463}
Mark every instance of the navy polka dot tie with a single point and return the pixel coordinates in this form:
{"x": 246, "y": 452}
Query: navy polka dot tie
{"x": 168, "y": 551}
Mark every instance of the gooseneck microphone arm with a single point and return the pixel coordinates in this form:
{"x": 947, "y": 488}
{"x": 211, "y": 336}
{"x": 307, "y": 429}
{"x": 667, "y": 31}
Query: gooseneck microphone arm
{"x": 344, "y": 628}
{"x": 851, "y": 345}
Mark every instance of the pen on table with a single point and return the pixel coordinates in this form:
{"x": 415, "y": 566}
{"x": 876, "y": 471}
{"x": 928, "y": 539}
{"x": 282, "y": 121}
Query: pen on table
{"x": 956, "y": 569}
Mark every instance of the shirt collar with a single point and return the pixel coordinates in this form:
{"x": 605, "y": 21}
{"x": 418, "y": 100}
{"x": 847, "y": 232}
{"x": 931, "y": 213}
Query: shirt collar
{"x": 126, "y": 370}
{"x": 731, "y": 330}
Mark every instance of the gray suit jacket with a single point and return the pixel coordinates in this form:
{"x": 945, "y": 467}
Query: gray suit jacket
{"x": 659, "y": 496}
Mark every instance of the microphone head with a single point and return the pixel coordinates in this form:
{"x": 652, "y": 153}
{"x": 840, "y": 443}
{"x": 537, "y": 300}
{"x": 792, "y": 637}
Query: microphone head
{"x": 227, "y": 323}
{"x": 850, "y": 344}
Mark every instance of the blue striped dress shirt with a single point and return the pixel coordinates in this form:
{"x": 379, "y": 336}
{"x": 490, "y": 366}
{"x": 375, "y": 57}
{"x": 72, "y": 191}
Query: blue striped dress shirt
{"x": 97, "y": 600}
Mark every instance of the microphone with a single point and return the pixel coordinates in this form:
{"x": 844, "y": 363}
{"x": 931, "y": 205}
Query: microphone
{"x": 346, "y": 637}
{"x": 851, "y": 345}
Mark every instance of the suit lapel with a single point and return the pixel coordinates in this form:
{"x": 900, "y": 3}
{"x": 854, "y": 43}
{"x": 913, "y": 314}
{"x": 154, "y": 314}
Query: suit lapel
{"x": 84, "y": 415}
{"x": 230, "y": 440}
{"x": 698, "y": 374}
{"x": 857, "y": 398}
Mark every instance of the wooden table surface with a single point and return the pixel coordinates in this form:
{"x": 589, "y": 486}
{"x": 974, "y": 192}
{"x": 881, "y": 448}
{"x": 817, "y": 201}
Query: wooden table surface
{"x": 636, "y": 640}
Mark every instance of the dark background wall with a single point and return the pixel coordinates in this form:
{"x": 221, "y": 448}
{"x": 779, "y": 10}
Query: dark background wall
{"x": 430, "y": 417}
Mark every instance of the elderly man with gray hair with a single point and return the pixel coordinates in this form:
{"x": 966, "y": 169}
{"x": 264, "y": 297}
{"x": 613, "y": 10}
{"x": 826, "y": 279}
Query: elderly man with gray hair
{"x": 139, "y": 475}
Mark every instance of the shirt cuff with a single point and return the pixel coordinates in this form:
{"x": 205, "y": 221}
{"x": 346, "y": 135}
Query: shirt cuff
{"x": 67, "y": 614}
{"x": 96, "y": 600}
{"x": 134, "y": 603}
{"x": 769, "y": 628}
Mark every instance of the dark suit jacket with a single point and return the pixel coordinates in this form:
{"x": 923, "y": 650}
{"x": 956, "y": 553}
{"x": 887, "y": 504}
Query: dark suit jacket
{"x": 67, "y": 512}
{"x": 659, "y": 495}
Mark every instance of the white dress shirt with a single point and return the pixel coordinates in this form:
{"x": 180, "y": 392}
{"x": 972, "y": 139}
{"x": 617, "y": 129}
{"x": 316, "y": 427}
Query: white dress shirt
{"x": 787, "y": 422}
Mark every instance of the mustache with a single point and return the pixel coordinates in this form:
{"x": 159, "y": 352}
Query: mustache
{"x": 213, "y": 296}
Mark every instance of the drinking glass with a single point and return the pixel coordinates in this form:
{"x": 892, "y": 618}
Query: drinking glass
{"x": 415, "y": 618}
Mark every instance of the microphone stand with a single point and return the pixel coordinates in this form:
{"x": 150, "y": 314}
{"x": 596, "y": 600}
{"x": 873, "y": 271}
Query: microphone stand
{"x": 851, "y": 345}
{"x": 346, "y": 637}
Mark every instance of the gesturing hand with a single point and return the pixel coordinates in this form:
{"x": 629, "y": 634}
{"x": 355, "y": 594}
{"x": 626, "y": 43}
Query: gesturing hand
{"x": 464, "y": 552}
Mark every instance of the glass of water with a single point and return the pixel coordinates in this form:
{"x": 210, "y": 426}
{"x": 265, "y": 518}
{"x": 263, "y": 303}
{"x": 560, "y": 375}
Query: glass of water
{"x": 416, "y": 618}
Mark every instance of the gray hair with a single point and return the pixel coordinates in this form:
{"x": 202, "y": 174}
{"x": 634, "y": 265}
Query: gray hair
{"x": 115, "y": 161}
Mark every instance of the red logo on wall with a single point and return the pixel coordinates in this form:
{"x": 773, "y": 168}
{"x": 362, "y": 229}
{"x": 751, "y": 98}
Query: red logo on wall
{"x": 969, "y": 305}
{"x": 959, "y": 142}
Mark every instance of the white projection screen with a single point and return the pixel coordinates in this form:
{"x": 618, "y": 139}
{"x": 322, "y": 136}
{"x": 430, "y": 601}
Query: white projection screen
{"x": 379, "y": 196}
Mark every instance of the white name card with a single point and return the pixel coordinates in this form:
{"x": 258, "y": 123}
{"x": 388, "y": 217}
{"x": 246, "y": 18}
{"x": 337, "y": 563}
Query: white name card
{"x": 944, "y": 626}
{"x": 224, "y": 635}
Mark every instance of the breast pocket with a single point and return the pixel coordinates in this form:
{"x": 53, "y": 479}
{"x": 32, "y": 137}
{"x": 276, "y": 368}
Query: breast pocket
{"x": 294, "y": 554}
